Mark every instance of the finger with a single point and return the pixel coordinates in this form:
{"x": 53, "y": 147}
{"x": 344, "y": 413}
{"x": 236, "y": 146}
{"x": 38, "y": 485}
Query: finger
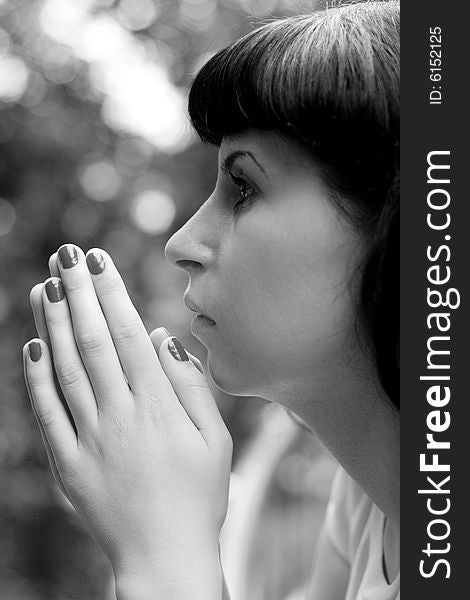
{"x": 45, "y": 441}
{"x": 158, "y": 335}
{"x": 71, "y": 373}
{"x": 53, "y": 266}
{"x": 91, "y": 332}
{"x": 37, "y": 305}
{"x": 35, "y": 298}
{"x": 41, "y": 327}
{"x": 135, "y": 349}
{"x": 51, "y": 413}
{"x": 192, "y": 390}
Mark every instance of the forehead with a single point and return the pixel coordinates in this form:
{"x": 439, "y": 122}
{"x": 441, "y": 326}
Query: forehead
{"x": 270, "y": 146}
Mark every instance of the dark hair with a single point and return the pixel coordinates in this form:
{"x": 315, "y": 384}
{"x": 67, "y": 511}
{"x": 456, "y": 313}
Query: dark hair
{"x": 331, "y": 81}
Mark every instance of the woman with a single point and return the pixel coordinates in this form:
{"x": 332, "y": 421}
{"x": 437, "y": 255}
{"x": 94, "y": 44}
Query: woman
{"x": 292, "y": 266}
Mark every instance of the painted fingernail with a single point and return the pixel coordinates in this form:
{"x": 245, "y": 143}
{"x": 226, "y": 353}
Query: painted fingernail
{"x": 176, "y": 349}
{"x": 54, "y": 290}
{"x": 68, "y": 256}
{"x": 35, "y": 352}
{"x": 95, "y": 262}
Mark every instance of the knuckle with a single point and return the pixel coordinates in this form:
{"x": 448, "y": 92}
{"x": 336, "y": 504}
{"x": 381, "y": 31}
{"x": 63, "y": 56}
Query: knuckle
{"x": 35, "y": 383}
{"x": 112, "y": 287}
{"x": 90, "y": 341}
{"x": 35, "y": 378}
{"x": 69, "y": 375}
{"x": 198, "y": 387}
{"x": 126, "y": 332}
{"x": 74, "y": 284}
{"x": 56, "y": 316}
{"x": 47, "y": 417}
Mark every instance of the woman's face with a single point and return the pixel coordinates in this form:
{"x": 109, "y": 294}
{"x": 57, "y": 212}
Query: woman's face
{"x": 271, "y": 262}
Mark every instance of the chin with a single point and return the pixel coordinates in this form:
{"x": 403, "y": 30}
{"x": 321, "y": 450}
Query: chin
{"x": 227, "y": 381}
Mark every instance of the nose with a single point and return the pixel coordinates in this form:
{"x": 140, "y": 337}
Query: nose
{"x": 193, "y": 246}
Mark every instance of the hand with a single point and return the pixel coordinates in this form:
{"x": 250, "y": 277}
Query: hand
{"x": 138, "y": 445}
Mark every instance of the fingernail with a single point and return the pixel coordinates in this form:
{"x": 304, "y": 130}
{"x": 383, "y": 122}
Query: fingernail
{"x": 54, "y": 290}
{"x": 176, "y": 349}
{"x": 95, "y": 263}
{"x": 35, "y": 352}
{"x": 68, "y": 256}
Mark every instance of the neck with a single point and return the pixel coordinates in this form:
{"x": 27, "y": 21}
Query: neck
{"x": 357, "y": 424}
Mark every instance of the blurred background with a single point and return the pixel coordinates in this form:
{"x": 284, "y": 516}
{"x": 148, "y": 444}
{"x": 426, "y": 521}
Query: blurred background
{"x": 96, "y": 149}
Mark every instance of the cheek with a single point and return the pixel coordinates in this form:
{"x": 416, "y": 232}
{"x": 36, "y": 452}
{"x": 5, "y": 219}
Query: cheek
{"x": 286, "y": 305}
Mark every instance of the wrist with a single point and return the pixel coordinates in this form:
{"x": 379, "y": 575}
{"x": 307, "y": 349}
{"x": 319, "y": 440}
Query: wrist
{"x": 193, "y": 578}
{"x": 200, "y": 589}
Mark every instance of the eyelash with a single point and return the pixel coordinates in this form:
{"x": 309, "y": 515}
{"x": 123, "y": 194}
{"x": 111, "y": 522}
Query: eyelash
{"x": 243, "y": 198}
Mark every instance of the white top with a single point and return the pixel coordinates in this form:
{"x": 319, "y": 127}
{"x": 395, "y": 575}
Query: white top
{"x": 355, "y": 526}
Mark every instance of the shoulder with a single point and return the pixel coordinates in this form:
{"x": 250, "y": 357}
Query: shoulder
{"x": 332, "y": 565}
{"x": 354, "y": 526}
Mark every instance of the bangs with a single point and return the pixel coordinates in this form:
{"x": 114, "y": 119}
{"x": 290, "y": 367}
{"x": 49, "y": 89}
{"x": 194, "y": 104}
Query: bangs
{"x": 307, "y": 76}
{"x": 243, "y": 86}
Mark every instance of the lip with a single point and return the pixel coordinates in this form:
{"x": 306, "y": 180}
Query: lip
{"x": 193, "y": 307}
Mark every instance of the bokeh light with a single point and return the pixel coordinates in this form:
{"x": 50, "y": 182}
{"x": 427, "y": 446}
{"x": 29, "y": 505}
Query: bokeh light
{"x": 7, "y": 217}
{"x": 153, "y": 211}
{"x": 13, "y": 78}
{"x": 141, "y": 99}
{"x": 198, "y": 14}
{"x": 137, "y": 14}
{"x": 99, "y": 179}
{"x": 61, "y": 20}
{"x": 139, "y": 95}
{"x": 89, "y": 43}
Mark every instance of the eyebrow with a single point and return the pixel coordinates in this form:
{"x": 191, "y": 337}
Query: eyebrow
{"x": 232, "y": 157}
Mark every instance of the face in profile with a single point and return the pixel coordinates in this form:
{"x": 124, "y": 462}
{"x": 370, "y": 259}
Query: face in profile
{"x": 271, "y": 262}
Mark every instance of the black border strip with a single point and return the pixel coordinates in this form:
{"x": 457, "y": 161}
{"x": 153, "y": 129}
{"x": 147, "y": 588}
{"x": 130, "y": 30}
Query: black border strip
{"x": 426, "y": 128}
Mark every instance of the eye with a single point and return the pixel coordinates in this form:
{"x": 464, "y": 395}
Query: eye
{"x": 245, "y": 193}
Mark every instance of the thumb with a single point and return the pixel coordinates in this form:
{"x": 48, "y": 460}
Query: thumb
{"x": 158, "y": 335}
{"x": 190, "y": 385}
